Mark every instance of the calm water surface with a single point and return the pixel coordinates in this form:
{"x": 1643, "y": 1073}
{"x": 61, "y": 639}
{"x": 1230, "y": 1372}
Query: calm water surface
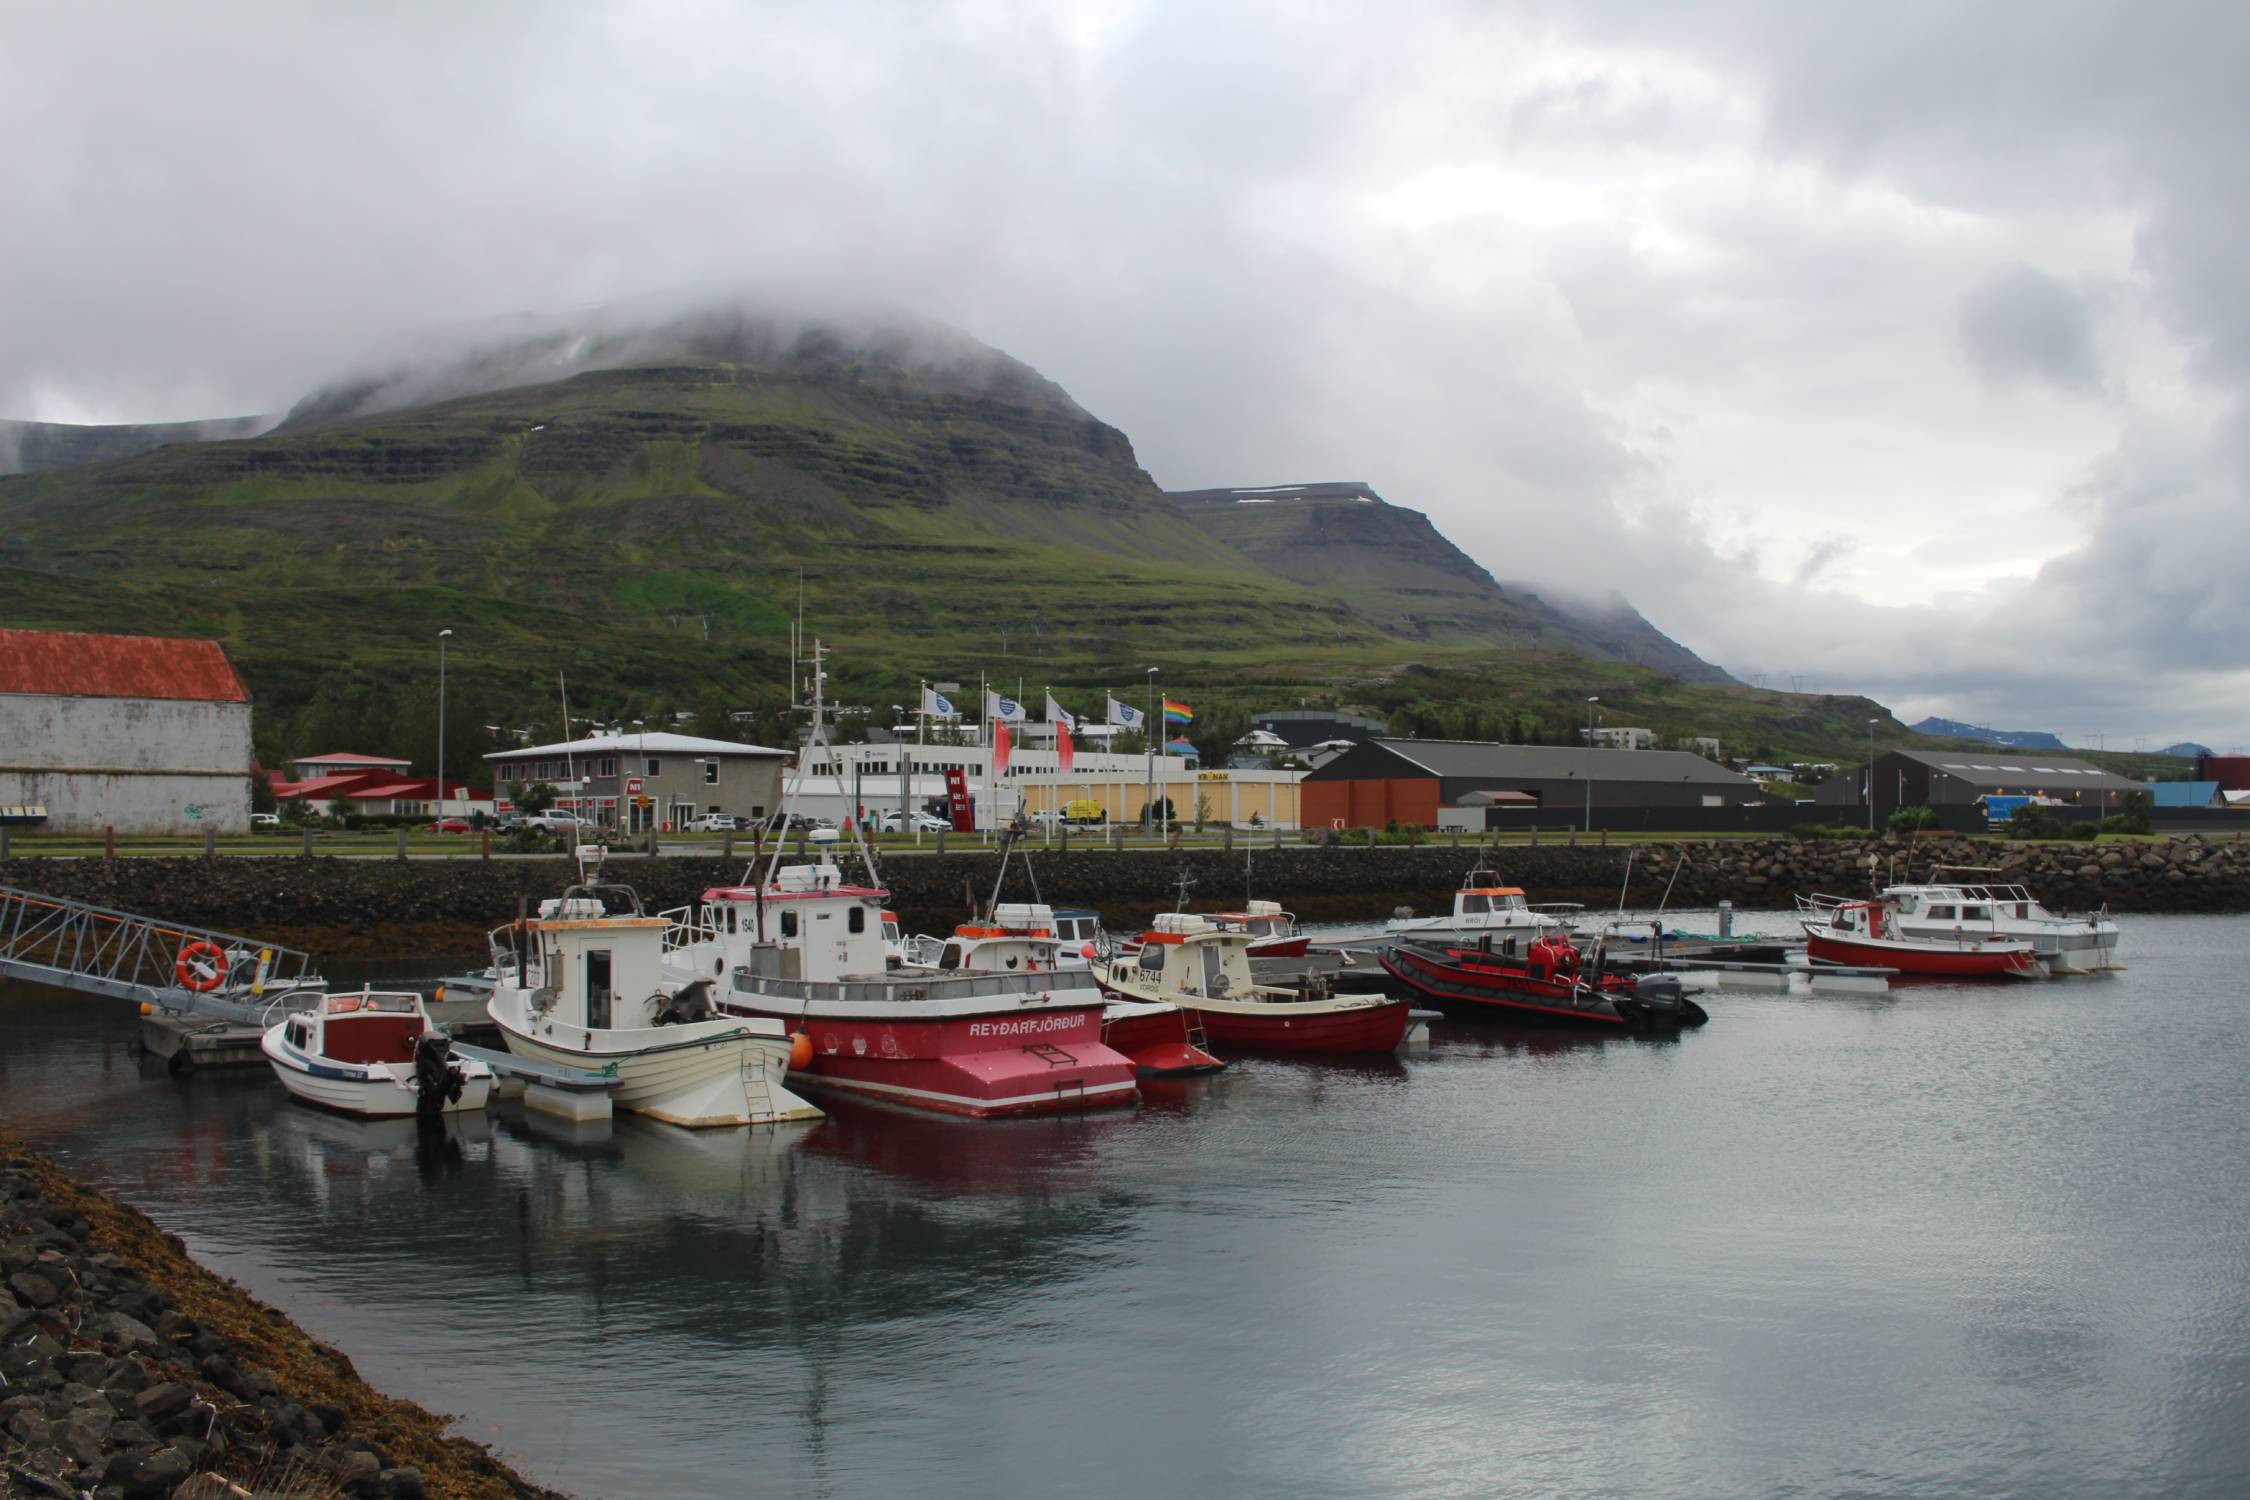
{"x": 1965, "y": 1242}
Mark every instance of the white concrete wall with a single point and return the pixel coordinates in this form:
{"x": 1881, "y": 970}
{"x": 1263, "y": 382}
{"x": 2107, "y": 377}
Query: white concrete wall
{"x": 139, "y": 765}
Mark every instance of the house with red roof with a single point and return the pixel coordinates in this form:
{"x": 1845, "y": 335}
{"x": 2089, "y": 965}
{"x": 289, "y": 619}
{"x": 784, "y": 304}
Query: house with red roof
{"x": 143, "y": 734}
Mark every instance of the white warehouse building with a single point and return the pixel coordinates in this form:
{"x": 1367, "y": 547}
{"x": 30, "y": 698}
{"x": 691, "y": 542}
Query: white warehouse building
{"x": 142, "y": 734}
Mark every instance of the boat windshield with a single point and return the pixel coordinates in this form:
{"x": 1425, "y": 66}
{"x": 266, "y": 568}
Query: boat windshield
{"x": 1476, "y": 905}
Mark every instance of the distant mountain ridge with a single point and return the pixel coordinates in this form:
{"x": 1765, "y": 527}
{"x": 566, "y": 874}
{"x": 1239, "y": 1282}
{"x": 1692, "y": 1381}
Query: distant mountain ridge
{"x": 1391, "y": 563}
{"x": 2186, "y": 750}
{"x": 2012, "y": 739}
{"x": 28, "y": 447}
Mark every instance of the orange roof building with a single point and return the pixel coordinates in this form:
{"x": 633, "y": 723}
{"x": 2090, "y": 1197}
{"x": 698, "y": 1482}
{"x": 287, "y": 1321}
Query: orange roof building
{"x": 143, "y": 734}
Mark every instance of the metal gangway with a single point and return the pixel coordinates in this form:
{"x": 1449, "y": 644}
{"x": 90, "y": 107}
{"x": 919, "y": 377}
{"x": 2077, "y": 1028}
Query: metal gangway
{"x": 169, "y": 966}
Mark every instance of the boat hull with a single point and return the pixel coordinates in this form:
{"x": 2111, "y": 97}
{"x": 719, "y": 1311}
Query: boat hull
{"x": 1375, "y": 1027}
{"x": 721, "y": 1077}
{"x": 1927, "y": 960}
{"x": 1460, "y": 985}
{"x": 1288, "y": 947}
{"x": 980, "y": 1066}
{"x": 380, "y": 1091}
{"x": 1156, "y": 1038}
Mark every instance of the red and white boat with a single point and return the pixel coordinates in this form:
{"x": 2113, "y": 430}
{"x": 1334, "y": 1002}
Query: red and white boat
{"x": 1869, "y": 933}
{"x": 1547, "y": 983}
{"x": 1026, "y": 937}
{"x": 1204, "y": 969}
{"x": 1273, "y": 932}
{"x": 803, "y": 947}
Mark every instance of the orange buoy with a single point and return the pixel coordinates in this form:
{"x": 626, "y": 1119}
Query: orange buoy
{"x": 800, "y": 1050}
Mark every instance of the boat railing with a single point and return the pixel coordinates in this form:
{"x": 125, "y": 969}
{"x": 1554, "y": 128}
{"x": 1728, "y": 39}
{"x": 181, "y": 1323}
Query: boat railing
{"x": 1069, "y": 986}
{"x": 689, "y": 925}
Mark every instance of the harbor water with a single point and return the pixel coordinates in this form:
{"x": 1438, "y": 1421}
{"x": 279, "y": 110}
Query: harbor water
{"x": 1988, "y": 1241}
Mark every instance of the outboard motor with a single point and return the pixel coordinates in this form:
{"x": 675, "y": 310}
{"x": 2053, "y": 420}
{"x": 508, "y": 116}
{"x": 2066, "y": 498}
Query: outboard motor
{"x": 438, "y": 1079}
{"x": 1662, "y": 1000}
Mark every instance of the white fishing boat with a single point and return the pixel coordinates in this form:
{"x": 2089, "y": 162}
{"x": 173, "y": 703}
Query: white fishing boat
{"x": 581, "y": 986}
{"x": 373, "y": 1053}
{"x": 1482, "y": 907}
{"x": 1962, "y": 904}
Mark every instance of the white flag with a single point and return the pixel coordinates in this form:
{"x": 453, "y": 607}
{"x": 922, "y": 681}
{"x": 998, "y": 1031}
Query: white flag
{"x": 1002, "y": 710}
{"x": 937, "y": 704}
{"x": 1057, "y": 714}
{"x": 1129, "y": 718}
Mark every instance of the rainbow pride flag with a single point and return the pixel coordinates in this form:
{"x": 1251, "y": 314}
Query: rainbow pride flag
{"x": 1176, "y": 712}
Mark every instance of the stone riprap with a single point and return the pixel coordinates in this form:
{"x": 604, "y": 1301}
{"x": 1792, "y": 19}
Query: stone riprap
{"x": 128, "y": 1372}
{"x": 325, "y": 901}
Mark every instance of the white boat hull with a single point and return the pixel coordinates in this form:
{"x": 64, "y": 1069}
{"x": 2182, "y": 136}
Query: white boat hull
{"x": 378, "y": 1091}
{"x": 703, "y": 1075}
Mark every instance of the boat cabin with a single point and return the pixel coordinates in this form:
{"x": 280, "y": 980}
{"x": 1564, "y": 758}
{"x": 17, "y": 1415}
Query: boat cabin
{"x": 805, "y": 924}
{"x": 1080, "y": 927}
{"x": 1965, "y": 904}
{"x": 1264, "y": 919}
{"x": 1485, "y": 901}
{"x": 587, "y": 968}
{"x": 1188, "y": 955}
{"x": 1018, "y": 938}
{"x": 371, "y": 1026}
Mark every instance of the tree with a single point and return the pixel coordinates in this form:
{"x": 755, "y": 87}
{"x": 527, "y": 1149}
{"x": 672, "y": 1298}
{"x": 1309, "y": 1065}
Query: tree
{"x": 262, "y": 798}
{"x": 535, "y": 798}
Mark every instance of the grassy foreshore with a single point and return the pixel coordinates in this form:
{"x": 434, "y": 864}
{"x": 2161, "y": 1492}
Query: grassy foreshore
{"x": 130, "y": 1369}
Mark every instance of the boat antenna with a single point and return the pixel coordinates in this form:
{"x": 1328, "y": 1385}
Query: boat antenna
{"x": 1184, "y": 884}
{"x": 1626, "y": 882}
{"x": 570, "y": 761}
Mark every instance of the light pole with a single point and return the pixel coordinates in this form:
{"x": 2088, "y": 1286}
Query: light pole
{"x": 640, "y": 768}
{"x": 1148, "y": 732}
{"x": 1590, "y": 702}
{"x": 442, "y": 637}
{"x": 1870, "y": 775}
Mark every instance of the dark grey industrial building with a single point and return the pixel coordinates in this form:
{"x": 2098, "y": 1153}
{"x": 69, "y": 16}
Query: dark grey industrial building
{"x": 1957, "y": 778}
{"x": 1303, "y": 727}
{"x": 1411, "y": 781}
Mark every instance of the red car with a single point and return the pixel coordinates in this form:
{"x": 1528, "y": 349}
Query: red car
{"x": 450, "y": 825}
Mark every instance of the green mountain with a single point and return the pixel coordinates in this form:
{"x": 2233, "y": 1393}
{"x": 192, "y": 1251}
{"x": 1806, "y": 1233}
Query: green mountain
{"x": 642, "y": 507}
{"x": 1392, "y": 566}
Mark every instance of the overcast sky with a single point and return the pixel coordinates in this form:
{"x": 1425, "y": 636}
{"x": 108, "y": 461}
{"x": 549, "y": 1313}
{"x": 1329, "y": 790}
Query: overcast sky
{"x": 1893, "y": 348}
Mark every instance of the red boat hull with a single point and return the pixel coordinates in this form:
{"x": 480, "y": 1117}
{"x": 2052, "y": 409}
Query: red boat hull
{"x": 1932, "y": 963}
{"x": 1368, "y": 1028}
{"x": 1158, "y": 1045}
{"x": 981, "y": 1067}
{"x": 1469, "y": 981}
{"x": 1290, "y": 947}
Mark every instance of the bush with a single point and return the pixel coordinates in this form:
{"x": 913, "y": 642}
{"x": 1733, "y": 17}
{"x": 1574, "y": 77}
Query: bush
{"x": 2034, "y": 822}
{"x": 1908, "y": 821}
{"x": 1830, "y": 831}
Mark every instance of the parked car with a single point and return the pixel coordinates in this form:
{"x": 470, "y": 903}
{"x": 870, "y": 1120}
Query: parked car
{"x": 265, "y": 820}
{"x": 451, "y": 825}
{"x": 1045, "y": 817}
{"x": 711, "y": 823}
{"x": 556, "y": 822}
{"x": 920, "y": 822}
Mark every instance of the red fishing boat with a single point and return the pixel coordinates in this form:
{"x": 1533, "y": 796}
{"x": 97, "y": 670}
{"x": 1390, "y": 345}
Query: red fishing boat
{"x": 1548, "y": 983}
{"x": 1272, "y": 932}
{"x": 1869, "y": 933}
{"x": 803, "y": 947}
{"x": 1204, "y": 969}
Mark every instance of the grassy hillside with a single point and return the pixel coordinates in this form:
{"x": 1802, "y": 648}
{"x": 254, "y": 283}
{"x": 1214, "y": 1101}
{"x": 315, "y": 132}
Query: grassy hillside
{"x": 646, "y": 529}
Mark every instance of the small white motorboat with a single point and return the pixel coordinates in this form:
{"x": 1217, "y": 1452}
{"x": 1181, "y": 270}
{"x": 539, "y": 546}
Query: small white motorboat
{"x": 373, "y": 1053}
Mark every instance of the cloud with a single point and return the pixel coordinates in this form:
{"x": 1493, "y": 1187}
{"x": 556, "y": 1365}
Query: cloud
{"x": 2022, "y": 324}
{"x": 1898, "y": 348}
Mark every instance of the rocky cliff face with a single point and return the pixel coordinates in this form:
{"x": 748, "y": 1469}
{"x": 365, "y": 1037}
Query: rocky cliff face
{"x": 1394, "y": 566}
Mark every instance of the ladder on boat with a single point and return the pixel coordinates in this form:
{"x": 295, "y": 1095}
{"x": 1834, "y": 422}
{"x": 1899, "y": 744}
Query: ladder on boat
{"x": 173, "y": 966}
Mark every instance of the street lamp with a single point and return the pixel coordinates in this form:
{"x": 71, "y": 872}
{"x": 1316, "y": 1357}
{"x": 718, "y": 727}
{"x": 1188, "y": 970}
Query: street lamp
{"x": 1871, "y": 775}
{"x": 1148, "y": 731}
{"x": 1590, "y": 702}
{"x": 442, "y": 637}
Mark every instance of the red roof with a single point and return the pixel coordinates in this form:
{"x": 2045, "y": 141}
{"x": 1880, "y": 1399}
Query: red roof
{"x": 69, "y": 664}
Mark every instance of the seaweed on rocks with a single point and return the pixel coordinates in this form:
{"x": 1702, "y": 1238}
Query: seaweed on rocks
{"x": 129, "y": 1372}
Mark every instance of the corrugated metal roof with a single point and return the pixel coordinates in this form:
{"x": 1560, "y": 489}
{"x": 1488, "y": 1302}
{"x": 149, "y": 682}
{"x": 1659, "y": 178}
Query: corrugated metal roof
{"x": 70, "y": 664}
{"x": 1471, "y": 758}
{"x": 2183, "y": 793}
{"x": 659, "y": 742}
{"x": 2005, "y": 770}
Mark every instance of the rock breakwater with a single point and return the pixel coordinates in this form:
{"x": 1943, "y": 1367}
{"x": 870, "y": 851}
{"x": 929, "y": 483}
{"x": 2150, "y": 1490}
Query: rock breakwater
{"x": 341, "y": 906}
{"x": 128, "y": 1372}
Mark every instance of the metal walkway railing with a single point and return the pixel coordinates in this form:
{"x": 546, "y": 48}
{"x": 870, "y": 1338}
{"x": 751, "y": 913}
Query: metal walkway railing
{"x": 76, "y": 945}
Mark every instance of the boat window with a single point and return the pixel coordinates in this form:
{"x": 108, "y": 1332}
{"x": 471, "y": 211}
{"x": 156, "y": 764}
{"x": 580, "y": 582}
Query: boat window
{"x": 1975, "y": 914}
{"x": 1152, "y": 958}
{"x": 1261, "y": 928}
{"x": 1941, "y": 913}
{"x": 951, "y": 957}
{"x": 789, "y": 923}
{"x": 857, "y": 921}
{"x": 1476, "y": 905}
{"x": 1214, "y": 970}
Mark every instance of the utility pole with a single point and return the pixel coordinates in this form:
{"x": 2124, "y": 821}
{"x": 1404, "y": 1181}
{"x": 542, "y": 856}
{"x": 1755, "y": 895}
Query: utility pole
{"x": 1871, "y": 775}
{"x": 442, "y": 637}
{"x": 1148, "y": 730}
{"x": 1590, "y": 703}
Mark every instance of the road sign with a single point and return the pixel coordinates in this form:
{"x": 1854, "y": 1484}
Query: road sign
{"x": 632, "y": 786}
{"x": 644, "y": 802}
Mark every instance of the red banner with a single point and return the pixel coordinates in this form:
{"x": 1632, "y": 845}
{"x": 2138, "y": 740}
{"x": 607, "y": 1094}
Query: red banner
{"x": 957, "y": 799}
{"x": 1066, "y": 753}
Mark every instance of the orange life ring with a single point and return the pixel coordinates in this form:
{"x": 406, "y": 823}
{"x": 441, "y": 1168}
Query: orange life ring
{"x": 201, "y": 967}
